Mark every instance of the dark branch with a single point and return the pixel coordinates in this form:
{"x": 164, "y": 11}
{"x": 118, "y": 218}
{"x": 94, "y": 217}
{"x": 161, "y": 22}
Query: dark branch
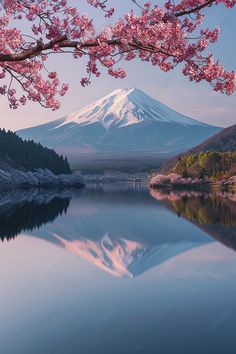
{"x": 195, "y": 9}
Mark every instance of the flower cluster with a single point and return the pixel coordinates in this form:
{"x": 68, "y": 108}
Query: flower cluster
{"x": 165, "y": 36}
{"x": 173, "y": 179}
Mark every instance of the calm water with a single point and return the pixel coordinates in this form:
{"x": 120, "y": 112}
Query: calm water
{"x": 117, "y": 269}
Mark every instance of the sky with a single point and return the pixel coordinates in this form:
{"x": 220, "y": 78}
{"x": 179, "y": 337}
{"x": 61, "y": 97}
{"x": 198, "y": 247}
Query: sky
{"x": 173, "y": 89}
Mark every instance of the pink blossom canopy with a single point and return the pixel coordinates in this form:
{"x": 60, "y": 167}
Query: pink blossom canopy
{"x": 165, "y": 36}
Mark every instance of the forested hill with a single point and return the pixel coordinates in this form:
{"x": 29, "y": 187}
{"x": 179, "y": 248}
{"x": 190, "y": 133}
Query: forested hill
{"x": 215, "y": 155}
{"x": 28, "y": 155}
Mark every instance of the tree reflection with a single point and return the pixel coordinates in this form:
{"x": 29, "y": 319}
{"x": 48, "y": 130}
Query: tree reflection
{"x": 26, "y": 210}
{"x": 214, "y": 213}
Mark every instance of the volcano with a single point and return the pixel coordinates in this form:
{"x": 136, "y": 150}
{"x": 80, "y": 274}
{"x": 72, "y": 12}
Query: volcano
{"x": 126, "y": 123}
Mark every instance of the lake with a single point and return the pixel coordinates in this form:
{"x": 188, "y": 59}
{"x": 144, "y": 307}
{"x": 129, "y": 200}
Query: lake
{"x": 117, "y": 269}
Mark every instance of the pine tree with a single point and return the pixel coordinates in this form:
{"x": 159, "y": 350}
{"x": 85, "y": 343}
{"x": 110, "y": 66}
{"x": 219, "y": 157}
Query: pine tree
{"x": 29, "y": 155}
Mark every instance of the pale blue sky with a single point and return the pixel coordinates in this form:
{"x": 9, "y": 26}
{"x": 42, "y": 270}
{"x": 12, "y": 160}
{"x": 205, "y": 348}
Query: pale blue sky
{"x": 173, "y": 89}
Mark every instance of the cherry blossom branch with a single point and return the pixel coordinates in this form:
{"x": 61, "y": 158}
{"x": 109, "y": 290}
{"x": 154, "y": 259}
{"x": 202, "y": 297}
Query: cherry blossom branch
{"x": 159, "y": 35}
{"x": 195, "y": 9}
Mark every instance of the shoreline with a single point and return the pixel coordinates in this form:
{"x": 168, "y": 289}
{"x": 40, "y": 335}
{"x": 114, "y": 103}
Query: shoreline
{"x": 200, "y": 187}
{"x": 41, "y": 178}
{"x": 176, "y": 181}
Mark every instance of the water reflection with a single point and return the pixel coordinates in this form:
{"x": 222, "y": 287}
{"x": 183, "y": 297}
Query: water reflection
{"x": 25, "y": 210}
{"x": 124, "y": 230}
{"x": 55, "y": 302}
{"x": 214, "y": 213}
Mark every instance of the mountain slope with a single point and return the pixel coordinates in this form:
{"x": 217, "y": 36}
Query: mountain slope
{"x": 126, "y": 130}
{"x": 215, "y": 156}
{"x": 223, "y": 141}
{"x": 125, "y": 121}
{"x": 126, "y": 107}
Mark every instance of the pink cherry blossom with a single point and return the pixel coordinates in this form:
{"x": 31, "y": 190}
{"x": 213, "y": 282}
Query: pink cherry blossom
{"x": 166, "y": 36}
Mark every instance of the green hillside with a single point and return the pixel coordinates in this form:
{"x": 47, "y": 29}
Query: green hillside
{"x": 214, "y": 158}
{"x": 206, "y": 164}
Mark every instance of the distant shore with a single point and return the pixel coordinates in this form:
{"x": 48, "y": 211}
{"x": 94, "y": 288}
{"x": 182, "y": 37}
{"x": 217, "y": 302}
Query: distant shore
{"x": 116, "y": 176}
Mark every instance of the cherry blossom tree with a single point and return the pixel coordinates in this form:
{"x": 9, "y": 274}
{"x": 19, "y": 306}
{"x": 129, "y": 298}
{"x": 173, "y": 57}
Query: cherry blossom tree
{"x": 166, "y": 36}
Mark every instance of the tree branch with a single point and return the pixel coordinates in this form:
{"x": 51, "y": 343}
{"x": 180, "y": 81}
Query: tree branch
{"x": 197, "y": 8}
{"x": 63, "y": 42}
{"x": 31, "y": 52}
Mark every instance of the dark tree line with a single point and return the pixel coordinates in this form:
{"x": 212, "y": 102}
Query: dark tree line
{"x": 27, "y": 216}
{"x": 29, "y": 155}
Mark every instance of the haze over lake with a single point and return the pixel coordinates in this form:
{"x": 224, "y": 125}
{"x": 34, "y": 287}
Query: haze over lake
{"x": 117, "y": 269}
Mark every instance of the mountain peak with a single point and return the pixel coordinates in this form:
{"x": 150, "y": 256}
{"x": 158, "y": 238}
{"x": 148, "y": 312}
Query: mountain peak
{"x": 126, "y": 121}
{"x": 124, "y": 107}
{"x": 124, "y": 92}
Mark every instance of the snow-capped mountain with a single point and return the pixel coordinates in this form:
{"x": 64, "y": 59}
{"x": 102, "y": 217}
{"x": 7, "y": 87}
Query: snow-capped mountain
{"x": 126, "y": 107}
{"x": 126, "y": 120}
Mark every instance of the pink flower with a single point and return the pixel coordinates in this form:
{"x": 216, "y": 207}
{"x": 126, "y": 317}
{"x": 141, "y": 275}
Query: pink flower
{"x": 159, "y": 35}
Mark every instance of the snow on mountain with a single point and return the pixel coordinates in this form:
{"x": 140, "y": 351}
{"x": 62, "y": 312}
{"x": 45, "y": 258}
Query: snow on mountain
{"x": 125, "y": 121}
{"x": 125, "y": 107}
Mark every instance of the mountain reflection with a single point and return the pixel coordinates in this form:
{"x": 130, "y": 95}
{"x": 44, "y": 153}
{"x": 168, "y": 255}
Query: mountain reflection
{"x": 122, "y": 229}
{"x": 24, "y": 210}
{"x": 214, "y": 213}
